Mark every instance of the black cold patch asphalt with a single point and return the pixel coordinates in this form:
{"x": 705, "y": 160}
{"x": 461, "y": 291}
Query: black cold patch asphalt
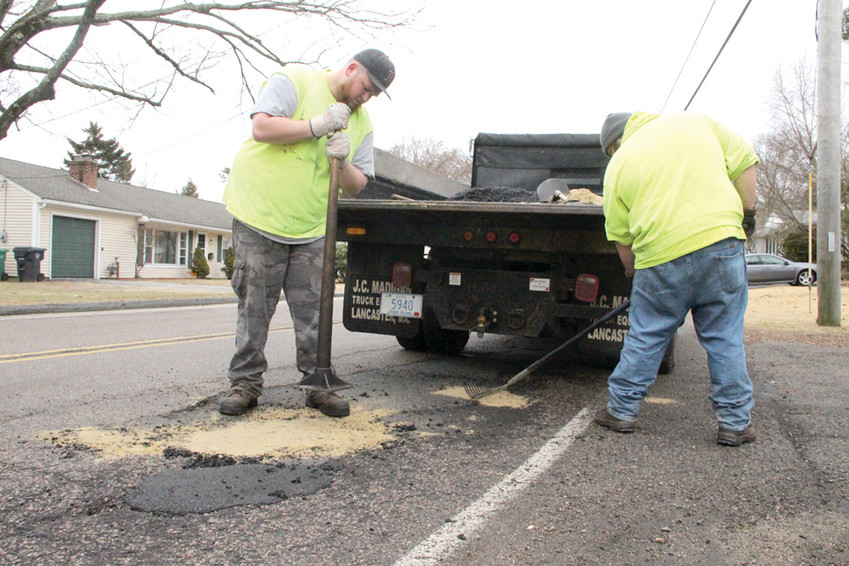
{"x": 496, "y": 194}
{"x": 202, "y": 490}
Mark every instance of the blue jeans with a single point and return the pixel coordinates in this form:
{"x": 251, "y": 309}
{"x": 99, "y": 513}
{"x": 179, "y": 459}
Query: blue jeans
{"x": 710, "y": 282}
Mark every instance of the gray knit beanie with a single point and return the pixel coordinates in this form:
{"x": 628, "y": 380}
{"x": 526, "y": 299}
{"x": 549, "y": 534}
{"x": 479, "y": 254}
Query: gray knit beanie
{"x": 613, "y": 128}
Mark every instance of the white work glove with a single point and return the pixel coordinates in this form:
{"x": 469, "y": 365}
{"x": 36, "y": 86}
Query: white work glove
{"x": 335, "y": 118}
{"x": 338, "y": 147}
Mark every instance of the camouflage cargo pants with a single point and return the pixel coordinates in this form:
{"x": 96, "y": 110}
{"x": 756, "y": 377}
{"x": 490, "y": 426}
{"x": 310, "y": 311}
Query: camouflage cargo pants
{"x": 262, "y": 268}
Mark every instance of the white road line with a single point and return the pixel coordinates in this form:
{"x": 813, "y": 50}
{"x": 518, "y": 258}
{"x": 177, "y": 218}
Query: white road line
{"x": 443, "y": 542}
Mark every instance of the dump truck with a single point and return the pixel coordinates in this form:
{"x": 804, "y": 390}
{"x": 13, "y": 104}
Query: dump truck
{"x": 434, "y": 273}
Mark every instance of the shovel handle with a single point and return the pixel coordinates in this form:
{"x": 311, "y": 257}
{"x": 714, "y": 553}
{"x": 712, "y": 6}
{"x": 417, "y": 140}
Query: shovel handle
{"x": 334, "y": 175}
{"x": 328, "y": 271}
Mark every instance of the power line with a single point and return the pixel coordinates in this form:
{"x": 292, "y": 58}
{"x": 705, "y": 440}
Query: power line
{"x": 698, "y": 35}
{"x": 746, "y": 7}
{"x": 194, "y": 135}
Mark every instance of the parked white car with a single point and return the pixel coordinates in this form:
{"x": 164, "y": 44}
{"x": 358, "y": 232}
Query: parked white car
{"x": 765, "y": 269}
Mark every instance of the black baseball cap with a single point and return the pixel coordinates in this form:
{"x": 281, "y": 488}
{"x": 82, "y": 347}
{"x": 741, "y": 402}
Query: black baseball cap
{"x": 380, "y": 69}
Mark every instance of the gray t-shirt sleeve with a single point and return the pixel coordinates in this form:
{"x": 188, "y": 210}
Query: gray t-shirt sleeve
{"x": 363, "y": 158}
{"x": 277, "y": 98}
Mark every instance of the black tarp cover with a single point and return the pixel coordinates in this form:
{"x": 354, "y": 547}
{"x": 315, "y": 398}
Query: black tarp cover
{"x": 526, "y": 160}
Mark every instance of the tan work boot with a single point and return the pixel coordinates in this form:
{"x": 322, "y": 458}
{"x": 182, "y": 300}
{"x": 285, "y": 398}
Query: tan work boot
{"x": 328, "y": 403}
{"x": 605, "y": 419}
{"x": 728, "y": 437}
{"x": 236, "y": 402}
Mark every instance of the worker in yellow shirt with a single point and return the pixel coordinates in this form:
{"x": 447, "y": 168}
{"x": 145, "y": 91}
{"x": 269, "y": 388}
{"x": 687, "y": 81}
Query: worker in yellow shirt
{"x": 679, "y": 199}
{"x": 277, "y": 192}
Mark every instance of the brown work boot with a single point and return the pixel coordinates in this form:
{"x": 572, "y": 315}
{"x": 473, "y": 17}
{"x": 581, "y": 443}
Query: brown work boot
{"x": 328, "y": 403}
{"x": 728, "y": 437}
{"x": 605, "y": 419}
{"x": 236, "y": 402}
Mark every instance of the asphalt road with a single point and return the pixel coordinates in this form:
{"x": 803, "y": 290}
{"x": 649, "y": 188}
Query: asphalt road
{"x": 530, "y": 481}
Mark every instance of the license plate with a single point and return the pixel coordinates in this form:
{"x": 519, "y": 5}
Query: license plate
{"x": 401, "y": 304}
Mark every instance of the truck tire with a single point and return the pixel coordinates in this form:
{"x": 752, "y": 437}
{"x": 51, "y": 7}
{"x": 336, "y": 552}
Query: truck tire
{"x": 668, "y": 362}
{"x": 450, "y": 342}
{"x": 432, "y": 338}
{"x": 415, "y": 343}
{"x": 440, "y": 340}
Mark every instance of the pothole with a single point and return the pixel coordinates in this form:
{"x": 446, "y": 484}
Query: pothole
{"x": 267, "y": 432}
{"x": 500, "y": 399}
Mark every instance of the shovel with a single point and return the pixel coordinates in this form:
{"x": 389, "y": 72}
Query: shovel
{"x": 476, "y": 391}
{"x": 553, "y": 190}
{"x": 324, "y": 377}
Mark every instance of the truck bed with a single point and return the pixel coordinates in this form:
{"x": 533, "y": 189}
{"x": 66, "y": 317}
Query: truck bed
{"x": 464, "y": 224}
{"x": 433, "y": 273}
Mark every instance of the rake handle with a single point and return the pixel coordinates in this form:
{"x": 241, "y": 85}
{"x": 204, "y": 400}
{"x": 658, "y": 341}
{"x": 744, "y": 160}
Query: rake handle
{"x": 531, "y": 368}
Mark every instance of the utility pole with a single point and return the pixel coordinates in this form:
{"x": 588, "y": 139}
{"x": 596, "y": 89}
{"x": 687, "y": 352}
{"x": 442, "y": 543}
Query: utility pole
{"x": 828, "y": 161}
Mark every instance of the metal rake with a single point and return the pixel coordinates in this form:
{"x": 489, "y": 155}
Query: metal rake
{"x": 478, "y": 391}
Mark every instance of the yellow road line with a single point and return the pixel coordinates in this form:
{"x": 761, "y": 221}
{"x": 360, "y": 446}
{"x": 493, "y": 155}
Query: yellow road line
{"x": 30, "y": 356}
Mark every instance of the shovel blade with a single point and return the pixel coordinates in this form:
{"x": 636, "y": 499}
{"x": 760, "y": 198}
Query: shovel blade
{"x": 323, "y": 379}
{"x": 548, "y": 189}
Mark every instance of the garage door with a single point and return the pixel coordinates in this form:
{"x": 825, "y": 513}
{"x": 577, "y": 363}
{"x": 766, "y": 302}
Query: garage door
{"x": 72, "y": 251}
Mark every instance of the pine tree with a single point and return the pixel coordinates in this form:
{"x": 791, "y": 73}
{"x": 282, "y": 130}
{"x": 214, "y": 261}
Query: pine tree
{"x": 113, "y": 163}
{"x": 229, "y": 259}
{"x": 190, "y": 190}
{"x": 199, "y": 265}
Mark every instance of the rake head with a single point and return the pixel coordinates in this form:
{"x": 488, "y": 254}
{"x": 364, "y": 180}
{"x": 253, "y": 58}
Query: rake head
{"x": 478, "y": 391}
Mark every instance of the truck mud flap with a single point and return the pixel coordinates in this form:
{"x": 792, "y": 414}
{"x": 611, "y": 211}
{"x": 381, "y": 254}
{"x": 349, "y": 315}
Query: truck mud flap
{"x": 604, "y": 344}
{"x": 607, "y": 340}
{"x": 369, "y": 274}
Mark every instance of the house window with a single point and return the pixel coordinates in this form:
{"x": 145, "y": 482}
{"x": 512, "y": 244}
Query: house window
{"x": 164, "y": 247}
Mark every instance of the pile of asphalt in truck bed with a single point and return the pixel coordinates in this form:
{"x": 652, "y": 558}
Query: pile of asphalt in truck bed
{"x": 497, "y": 194}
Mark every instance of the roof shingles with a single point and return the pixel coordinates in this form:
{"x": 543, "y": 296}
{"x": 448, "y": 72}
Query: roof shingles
{"x": 57, "y": 185}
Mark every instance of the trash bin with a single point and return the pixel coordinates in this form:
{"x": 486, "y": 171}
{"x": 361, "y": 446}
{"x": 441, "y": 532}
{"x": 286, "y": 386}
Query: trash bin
{"x": 29, "y": 263}
{"x": 3, "y": 274}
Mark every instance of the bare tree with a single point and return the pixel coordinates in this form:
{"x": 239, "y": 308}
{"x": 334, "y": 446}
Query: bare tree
{"x": 434, "y": 156}
{"x": 187, "y": 39}
{"x": 788, "y": 153}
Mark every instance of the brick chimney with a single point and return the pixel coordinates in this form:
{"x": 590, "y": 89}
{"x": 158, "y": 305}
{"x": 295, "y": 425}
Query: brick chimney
{"x": 83, "y": 168}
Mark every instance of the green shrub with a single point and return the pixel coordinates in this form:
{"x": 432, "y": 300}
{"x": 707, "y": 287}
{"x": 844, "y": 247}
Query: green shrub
{"x": 229, "y": 258}
{"x": 199, "y": 266}
{"x": 794, "y": 246}
{"x": 341, "y": 262}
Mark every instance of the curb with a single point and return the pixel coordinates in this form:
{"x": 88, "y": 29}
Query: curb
{"x": 14, "y": 310}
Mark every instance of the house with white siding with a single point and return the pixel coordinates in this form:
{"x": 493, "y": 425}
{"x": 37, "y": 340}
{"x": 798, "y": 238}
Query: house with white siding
{"x": 93, "y": 228}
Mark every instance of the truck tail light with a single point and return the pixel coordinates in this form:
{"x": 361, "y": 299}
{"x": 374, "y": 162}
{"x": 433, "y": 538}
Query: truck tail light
{"x": 402, "y": 275}
{"x": 468, "y": 235}
{"x": 355, "y": 231}
{"x": 514, "y": 237}
{"x": 586, "y": 287}
{"x": 491, "y": 236}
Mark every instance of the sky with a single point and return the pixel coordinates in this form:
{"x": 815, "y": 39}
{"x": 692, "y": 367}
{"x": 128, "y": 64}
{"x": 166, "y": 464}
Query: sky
{"x": 541, "y": 66}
